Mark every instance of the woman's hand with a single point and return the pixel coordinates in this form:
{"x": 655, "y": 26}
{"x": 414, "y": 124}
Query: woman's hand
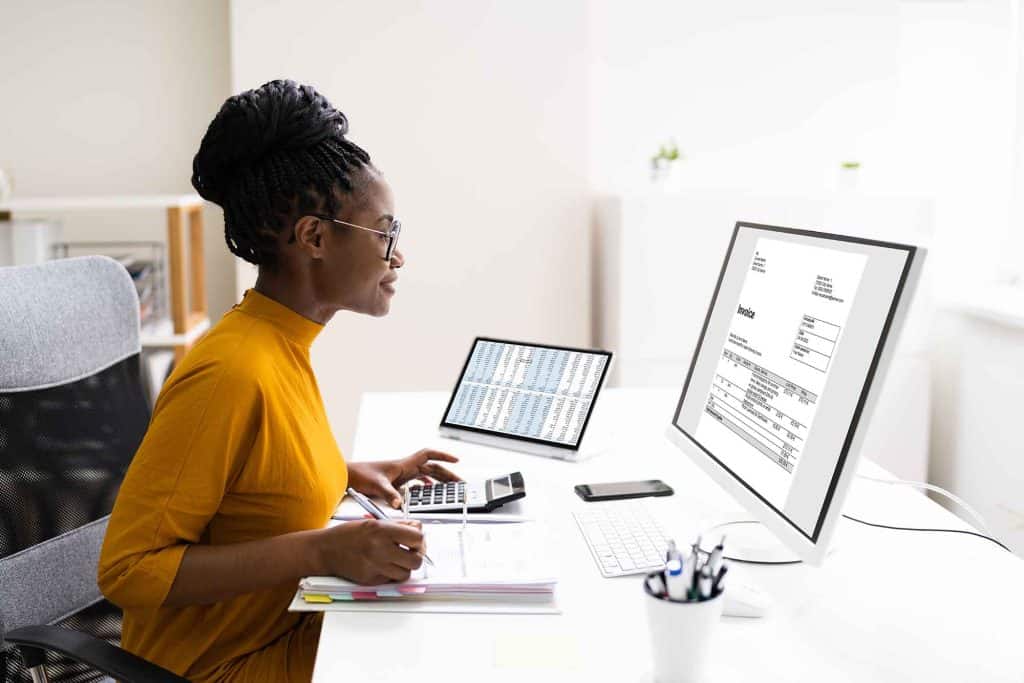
{"x": 369, "y": 552}
{"x": 381, "y": 478}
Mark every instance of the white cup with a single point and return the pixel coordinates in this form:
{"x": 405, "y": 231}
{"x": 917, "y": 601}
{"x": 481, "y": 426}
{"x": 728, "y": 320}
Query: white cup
{"x": 681, "y": 634}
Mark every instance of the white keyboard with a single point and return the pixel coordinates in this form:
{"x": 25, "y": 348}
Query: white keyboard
{"x": 623, "y": 537}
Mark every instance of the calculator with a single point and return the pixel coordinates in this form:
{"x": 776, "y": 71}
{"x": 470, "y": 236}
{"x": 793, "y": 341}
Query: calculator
{"x": 479, "y": 496}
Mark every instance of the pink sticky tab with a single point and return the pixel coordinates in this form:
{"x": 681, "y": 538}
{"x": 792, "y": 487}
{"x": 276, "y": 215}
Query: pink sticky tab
{"x": 364, "y": 595}
{"x": 412, "y": 590}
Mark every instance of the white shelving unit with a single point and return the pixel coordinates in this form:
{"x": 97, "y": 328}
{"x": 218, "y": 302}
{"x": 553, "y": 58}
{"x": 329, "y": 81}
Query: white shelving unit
{"x": 188, "y": 311}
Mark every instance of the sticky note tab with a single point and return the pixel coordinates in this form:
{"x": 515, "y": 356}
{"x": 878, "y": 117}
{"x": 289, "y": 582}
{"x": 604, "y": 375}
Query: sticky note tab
{"x": 316, "y": 597}
{"x": 364, "y": 595}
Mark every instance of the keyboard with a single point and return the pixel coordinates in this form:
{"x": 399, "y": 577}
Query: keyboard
{"x": 624, "y": 538}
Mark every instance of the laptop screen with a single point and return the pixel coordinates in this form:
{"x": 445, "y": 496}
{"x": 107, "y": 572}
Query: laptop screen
{"x": 530, "y": 392}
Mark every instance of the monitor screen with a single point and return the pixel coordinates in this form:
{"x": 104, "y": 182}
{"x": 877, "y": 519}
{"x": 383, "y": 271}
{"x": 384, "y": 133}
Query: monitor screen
{"x": 530, "y": 392}
{"x": 782, "y": 368}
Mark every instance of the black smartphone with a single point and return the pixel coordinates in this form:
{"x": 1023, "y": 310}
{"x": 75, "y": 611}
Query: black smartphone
{"x": 618, "y": 490}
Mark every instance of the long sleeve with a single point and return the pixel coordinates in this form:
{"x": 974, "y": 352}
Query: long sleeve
{"x": 239, "y": 449}
{"x": 202, "y": 430}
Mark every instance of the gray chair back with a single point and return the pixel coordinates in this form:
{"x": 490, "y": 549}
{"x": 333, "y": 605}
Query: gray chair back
{"x": 72, "y": 412}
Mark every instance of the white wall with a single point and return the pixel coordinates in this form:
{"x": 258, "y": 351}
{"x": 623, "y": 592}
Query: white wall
{"x": 113, "y": 97}
{"x": 772, "y": 97}
{"x": 475, "y": 111}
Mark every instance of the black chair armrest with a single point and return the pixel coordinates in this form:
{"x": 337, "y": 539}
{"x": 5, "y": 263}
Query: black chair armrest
{"x": 99, "y": 654}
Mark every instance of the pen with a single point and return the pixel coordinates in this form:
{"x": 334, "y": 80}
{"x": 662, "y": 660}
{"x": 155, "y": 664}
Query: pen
{"x": 715, "y": 560}
{"x": 704, "y": 590}
{"x": 656, "y": 584}
{"x": 377, "y": 513}
{"x": 672, "y": 553}
{"x": 693, "y": 573}
{"x": 674, "y": 579}
{"x": 688, "y": 569}
{"x": 717, "y": 587}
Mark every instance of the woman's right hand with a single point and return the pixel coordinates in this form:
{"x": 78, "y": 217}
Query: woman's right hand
{"x": 368, "y": 551}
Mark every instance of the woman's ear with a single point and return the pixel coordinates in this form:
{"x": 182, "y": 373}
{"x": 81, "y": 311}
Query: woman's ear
{"x": 309, "y": 235}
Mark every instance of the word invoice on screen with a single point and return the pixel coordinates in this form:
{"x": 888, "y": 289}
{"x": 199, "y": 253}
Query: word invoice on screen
{"x": 782, "y": 342}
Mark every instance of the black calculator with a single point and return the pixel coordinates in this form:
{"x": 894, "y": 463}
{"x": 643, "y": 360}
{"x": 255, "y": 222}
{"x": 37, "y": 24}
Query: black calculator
{"x": 477, "y": 496}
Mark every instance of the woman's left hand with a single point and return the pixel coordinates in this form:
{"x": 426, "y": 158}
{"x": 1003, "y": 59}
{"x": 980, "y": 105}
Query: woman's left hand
{"x": 383, "y": 477}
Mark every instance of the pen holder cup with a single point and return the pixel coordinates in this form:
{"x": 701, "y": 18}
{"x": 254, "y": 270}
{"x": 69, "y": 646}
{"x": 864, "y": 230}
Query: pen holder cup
{"x": 681, "y": 635}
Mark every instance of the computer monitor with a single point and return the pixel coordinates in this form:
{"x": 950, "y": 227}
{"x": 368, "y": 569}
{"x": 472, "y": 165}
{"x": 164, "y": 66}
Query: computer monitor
{"x": 786, "y": 371}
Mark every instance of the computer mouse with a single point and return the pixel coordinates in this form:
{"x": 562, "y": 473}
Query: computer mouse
{"x": 743, "y": 600}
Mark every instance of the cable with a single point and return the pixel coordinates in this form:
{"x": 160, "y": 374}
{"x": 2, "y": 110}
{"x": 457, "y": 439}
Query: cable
{"x": 978, "y": 519}
{"x": 741, "y": 561}
{"x": 859, "y": 521}
{"x": 946, "y": 531}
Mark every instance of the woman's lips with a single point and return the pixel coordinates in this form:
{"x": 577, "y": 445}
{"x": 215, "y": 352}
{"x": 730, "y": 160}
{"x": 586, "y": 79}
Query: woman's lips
{"x": 388, "y": 285}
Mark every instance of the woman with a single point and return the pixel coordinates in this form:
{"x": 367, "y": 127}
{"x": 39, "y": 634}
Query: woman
{"x": 224, "y": 506}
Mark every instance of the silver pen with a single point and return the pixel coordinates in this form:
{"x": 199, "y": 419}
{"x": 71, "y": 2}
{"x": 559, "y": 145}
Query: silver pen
{"x": 377, "y": 513}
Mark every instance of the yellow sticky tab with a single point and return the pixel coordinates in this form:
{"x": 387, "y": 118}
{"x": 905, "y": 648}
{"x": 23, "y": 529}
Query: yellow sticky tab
{"x": 314, "y": 597}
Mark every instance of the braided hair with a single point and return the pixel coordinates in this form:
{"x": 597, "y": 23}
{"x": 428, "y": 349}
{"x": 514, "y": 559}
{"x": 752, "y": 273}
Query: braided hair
{"x": 271, "y": 155}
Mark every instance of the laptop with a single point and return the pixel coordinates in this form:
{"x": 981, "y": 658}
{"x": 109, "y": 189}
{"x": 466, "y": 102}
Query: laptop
{"x": 533, "y": 398}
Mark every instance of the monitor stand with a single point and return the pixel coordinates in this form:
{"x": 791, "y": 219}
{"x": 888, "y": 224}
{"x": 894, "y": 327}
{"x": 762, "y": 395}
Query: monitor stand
{"x": 748, "y": 541}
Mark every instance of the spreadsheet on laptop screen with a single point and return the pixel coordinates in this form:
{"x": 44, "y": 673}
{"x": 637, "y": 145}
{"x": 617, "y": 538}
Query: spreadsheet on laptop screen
{"x": 532, "y": 392}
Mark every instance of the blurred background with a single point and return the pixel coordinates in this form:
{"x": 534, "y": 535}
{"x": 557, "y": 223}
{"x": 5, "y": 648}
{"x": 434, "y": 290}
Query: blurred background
{"x": 570, "y": 172}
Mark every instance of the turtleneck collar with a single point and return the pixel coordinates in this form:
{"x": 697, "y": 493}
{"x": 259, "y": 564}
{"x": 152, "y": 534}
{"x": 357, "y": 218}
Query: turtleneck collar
{"x": 296, "y": 327}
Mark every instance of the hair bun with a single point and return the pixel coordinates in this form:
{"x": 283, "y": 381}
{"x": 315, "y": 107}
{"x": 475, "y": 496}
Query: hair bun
{"x": 250, "y": 127}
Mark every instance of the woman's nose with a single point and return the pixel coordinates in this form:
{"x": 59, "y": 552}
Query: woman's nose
{"x": 397, "y": 259}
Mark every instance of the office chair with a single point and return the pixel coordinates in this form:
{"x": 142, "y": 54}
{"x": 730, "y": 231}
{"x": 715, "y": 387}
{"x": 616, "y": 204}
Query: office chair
{"x": 72, "y": 412}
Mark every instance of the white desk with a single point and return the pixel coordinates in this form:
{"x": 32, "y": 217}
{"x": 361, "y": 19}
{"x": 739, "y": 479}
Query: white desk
{"x": 916, "y": 616}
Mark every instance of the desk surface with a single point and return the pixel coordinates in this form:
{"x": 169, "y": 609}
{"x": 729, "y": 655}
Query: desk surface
{"x": 916, "y": 616}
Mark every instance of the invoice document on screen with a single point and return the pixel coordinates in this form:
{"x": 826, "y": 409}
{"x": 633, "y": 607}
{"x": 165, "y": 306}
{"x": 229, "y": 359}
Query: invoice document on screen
{"x": 772, "y": 375}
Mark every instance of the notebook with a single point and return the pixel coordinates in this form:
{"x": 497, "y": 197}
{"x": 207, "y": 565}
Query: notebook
{"x": 477, "y": 568}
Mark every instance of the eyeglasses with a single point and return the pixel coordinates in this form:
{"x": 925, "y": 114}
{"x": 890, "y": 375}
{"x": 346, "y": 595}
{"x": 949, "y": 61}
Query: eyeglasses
{"x": 391, "y": 234}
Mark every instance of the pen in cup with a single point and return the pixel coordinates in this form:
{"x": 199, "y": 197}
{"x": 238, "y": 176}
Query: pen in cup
{"x": 377, "y": 513}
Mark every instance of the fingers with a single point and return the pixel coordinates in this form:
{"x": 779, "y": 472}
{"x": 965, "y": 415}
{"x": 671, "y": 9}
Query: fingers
{"x": 440, "y": 472}
{"x": 388, "y": 492}
{"x": 395, "y": 573}
{"x": 406, "y": 559}
{"x": 414, "y": 523}
{"x": 409, "y": 535}
{"x": 430, "y": 454}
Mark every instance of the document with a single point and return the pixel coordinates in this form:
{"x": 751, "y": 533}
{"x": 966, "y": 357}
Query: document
{"x": 477, "y": 568}
{"x": 786, "y": 330}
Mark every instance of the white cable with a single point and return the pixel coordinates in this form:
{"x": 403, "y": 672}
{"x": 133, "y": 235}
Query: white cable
{"x": 978, "y": 519}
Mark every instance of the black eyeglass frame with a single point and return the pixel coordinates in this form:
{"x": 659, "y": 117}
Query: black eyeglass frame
{"x": 391, "y": 233}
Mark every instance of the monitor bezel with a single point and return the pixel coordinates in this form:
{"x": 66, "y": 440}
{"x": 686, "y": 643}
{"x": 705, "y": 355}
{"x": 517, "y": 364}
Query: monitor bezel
{"x": 811, "y": 547}
{"x": 516, "y": 437}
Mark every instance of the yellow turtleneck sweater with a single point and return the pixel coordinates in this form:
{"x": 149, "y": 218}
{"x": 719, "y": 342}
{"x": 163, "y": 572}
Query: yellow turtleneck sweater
{"x": 238, "y": 449}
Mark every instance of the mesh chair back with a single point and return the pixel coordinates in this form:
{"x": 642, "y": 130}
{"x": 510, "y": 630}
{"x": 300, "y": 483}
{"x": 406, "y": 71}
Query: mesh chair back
{"x": 72, "y": 413}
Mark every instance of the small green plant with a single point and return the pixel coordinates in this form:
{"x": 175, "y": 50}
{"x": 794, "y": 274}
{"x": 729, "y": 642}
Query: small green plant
{"x": 667, "y": 153}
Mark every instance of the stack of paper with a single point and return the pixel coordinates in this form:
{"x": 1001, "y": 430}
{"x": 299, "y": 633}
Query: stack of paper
{"x": 476, "y": 568}
{"x": 349, "y": 510}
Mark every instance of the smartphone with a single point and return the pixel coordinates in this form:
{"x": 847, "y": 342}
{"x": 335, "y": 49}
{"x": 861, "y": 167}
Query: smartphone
{"x": 618, "y": 490}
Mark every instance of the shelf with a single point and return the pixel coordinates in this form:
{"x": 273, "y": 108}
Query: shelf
{"x": 101, "y": 203}
{"x": 161, "y": 334}
{"x": 186, "y": 276}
